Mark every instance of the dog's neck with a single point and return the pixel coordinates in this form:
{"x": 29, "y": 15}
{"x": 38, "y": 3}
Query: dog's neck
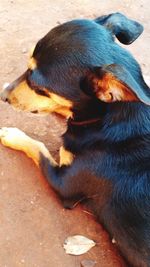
{"x": 121, "y": 122}
{"x": 89, "y": 113}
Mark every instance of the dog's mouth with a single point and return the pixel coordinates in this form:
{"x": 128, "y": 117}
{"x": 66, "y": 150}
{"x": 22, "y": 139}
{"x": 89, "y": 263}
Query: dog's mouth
{"x": 27, "y": 96}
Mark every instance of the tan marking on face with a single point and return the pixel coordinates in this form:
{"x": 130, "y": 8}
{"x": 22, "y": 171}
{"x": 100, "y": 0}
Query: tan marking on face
{"x": 16, "y": 139}
{"x": 64, "y": 105}
{"x": 32, "y": 64}
{"x": 61, "y": 100}
{"x": 65, "y": 112}
{"x": 109, "y": 89}
{"x": 66, "y": 157}
{"x": 24, "y": 98}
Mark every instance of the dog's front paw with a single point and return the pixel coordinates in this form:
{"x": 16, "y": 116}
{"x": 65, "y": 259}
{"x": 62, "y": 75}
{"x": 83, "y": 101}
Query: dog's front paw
{"x": 16, "y": 139}
{"x": 12, "y": 137}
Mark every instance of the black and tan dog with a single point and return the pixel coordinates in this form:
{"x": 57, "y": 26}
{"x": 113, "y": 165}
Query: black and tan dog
{"x": 78, "y": 70}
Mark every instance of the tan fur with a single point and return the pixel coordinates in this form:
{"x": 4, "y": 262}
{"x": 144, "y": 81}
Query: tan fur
{"x": 66, "y": 157}
{"x": 31, "y": 51}
{"x": 24, "y": 98}
{"x": 109, "y": 89}
{"x": 16, "y": 139}
{"x": 32, "y": 64}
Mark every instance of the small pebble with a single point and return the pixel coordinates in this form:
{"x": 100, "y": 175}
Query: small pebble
{"x": 24, "y": 50}
{"x": 58, "y": 22}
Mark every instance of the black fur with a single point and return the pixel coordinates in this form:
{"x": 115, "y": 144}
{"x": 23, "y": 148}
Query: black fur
{"x": 112, "y": 155}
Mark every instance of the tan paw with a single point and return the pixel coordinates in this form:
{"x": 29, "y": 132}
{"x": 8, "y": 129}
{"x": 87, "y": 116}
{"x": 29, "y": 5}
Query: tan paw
{"x": 12, "y": 137}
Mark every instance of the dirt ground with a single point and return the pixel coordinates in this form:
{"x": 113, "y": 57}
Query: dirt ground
{"x": 33, "y": 224}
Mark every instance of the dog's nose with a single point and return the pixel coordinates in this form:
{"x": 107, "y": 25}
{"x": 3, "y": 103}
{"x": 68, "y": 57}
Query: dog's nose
{"x": 4, "y": 95}
{"x": 8, "y": 88}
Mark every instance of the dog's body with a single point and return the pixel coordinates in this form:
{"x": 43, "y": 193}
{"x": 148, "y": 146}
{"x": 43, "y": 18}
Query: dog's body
{"x": 98, "y": 86}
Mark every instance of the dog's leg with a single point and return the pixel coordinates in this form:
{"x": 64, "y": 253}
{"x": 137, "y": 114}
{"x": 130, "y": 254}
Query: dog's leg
{"x": 62, "y": 179}
{"x": 67, "y": 181}
{"x": 16, "y": 139}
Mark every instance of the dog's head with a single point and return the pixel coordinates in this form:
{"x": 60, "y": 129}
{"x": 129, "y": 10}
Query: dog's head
{"x": 80, "y": 60}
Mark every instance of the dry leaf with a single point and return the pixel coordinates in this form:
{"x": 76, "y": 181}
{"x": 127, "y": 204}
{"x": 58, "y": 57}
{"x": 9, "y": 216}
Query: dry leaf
{"x": 78, "y": 244}
{"x": 88, "y": 263}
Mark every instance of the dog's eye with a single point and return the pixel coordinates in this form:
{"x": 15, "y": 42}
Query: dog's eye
{"x": 38, "y": 90}
{"x": 41, "y": 92}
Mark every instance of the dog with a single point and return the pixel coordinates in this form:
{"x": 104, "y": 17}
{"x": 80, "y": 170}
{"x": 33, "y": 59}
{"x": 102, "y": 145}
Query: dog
{"x": 79, "y": 71}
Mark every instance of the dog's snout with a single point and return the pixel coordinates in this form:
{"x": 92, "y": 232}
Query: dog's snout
{"x": 4, "y": 95}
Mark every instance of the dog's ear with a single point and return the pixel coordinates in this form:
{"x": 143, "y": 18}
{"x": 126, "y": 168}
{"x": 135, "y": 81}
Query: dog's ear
{"x": 113, "y": 83}
{"x": 126, "y": 30}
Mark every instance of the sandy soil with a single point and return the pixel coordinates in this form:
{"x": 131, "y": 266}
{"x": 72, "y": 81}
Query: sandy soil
{"x": 33, "y": 224}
